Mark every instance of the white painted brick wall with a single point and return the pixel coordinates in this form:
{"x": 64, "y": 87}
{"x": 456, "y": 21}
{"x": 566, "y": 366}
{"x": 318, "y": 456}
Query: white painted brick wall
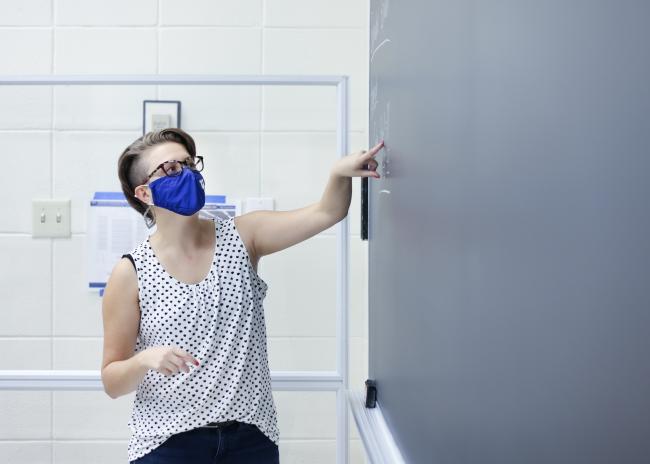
{"x": 273, "y": 141}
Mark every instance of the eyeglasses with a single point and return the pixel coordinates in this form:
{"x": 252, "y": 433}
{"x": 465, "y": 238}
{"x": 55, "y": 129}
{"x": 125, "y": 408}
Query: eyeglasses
{"x": 174, "y": 168}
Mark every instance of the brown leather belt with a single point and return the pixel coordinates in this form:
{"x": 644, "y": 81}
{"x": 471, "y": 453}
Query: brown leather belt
{"x": 220, "y": 424}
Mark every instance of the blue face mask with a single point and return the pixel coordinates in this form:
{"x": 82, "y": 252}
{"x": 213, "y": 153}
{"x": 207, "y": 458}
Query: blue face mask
{"x": 183, "y": 194}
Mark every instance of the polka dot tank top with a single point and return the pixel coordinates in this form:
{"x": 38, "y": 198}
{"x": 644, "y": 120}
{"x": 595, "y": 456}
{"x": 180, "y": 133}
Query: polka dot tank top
{"x": 219, "y": 321}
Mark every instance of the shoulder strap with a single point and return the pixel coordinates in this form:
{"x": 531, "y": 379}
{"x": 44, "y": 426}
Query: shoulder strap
{"x": 128, "y": 255}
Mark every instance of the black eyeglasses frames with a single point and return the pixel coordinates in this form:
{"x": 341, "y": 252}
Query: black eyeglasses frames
{"x": 175, "y": 167}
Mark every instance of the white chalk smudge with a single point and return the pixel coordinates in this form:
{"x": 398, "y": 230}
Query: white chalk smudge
{"x": 384, "y": 11}
{"x": 373, "y": 94}
{"x": 383, "y": 42}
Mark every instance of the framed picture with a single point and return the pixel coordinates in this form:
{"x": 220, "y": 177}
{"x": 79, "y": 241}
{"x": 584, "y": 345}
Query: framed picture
{"x": 160, "y": 114}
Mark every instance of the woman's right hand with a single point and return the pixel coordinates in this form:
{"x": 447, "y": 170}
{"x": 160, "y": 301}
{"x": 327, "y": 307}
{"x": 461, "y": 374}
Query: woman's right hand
{"x": 167, "y": 360}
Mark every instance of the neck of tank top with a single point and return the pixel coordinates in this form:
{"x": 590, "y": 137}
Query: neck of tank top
{"x": 212, "y": 263}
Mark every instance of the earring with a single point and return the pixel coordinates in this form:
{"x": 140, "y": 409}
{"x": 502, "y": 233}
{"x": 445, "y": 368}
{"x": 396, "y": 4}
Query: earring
{"x": 149, "y": 218}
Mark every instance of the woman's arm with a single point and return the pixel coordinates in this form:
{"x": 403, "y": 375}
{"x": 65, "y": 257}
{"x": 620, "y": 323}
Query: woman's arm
{"x": 122, "y": 371}
{"x": 272, "y": 231}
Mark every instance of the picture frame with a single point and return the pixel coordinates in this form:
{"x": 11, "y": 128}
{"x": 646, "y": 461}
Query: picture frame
{"x": 160, "y": 114}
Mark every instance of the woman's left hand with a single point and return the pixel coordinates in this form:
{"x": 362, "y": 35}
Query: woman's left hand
{"x": 358, "y": 164}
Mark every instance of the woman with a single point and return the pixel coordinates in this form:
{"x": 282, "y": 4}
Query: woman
{"x": 183, "y": 317}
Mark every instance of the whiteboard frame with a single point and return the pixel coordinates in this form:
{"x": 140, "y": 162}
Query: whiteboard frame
{"x": 376, "y": 436}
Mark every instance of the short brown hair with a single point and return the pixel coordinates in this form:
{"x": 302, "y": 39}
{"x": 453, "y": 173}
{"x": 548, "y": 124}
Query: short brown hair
{"x": 131, "y": 167}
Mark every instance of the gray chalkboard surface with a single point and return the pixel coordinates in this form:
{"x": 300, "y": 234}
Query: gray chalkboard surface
{"x": 509, "y": 235}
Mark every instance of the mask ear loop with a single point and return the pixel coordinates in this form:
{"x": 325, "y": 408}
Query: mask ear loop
{"x": 149, "y": 218}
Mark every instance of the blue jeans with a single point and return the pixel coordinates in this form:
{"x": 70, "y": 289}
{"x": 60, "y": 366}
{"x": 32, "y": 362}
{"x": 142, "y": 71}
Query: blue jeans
{"x": 238, "y": 443}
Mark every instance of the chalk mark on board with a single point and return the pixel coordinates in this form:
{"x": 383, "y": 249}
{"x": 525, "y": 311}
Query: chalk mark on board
{"x": 383, "y": 9}
{"x": 378, "y": 18}
{"x": 385, "y": 41}
{"x": 374, "y": 34}
{"x": 385, "y": 191}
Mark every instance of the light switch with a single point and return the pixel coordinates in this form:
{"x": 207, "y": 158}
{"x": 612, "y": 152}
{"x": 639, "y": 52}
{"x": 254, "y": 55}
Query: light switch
{"x": 50, "y": 218}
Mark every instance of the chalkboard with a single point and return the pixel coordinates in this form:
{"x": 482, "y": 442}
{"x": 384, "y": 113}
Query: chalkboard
{"x": 509, "y": 234}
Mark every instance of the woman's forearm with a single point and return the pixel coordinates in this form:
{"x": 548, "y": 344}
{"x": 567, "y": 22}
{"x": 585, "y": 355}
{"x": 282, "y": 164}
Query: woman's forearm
{"x": 337, "y": 195}
{"x": 122, "y": 377}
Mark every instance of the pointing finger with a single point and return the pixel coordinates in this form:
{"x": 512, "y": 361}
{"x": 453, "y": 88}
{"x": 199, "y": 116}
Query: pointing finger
{"x": 374, "y": 150}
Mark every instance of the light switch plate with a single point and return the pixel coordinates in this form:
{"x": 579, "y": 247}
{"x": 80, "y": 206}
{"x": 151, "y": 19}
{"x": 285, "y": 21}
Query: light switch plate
{"x": 255, "y": 203}
{"x": 50, "y": 218}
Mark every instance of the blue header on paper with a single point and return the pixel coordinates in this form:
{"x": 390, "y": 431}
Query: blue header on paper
{"x": 109, "y": 196}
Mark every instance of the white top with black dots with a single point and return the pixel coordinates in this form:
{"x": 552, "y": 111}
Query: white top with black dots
{"x": 219, "y": 321}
